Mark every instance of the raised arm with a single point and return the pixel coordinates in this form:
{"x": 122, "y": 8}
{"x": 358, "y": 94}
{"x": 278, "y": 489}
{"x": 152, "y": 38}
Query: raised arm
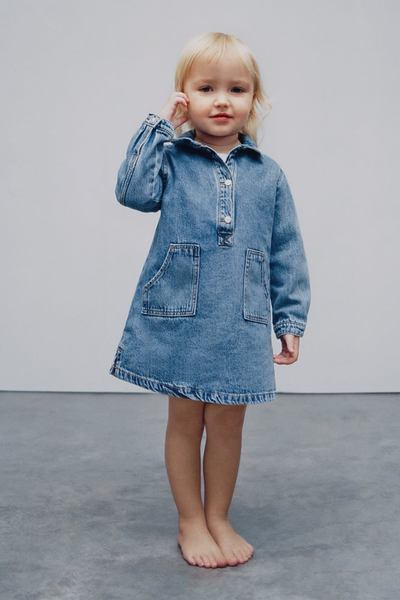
{"x": 142, "y": 175}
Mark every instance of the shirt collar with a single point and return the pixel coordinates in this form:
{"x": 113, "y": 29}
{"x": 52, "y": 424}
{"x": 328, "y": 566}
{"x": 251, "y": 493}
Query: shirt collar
{"x": 188, "y": 138}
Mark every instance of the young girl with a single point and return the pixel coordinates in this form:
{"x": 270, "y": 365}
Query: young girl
{"x": 227, "y": 247}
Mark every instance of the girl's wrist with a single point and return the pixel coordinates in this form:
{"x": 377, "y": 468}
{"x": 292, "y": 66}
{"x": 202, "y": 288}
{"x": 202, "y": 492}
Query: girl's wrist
{"x": 161, "y": 113}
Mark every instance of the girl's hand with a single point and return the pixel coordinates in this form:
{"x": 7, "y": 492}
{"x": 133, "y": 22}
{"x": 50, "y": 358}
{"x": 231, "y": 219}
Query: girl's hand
{"x": 168, "y": 111}
{"x": 290, "y": 350}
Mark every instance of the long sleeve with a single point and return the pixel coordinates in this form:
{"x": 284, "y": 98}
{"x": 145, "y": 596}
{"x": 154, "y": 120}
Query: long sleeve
{"x": 140, "y": 182}
{"x": 289, "y": 277}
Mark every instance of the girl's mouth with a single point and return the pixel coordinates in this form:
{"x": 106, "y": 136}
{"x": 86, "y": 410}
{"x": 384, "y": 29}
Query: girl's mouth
{"x": 221, "y": 117}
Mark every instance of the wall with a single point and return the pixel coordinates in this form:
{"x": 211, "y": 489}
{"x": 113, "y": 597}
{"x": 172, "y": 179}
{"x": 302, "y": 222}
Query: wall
{"x": 79, "y": 77}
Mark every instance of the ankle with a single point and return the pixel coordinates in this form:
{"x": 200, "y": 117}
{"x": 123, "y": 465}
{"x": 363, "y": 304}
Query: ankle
{"x": 214, "y": 517}
{"x": 190, "y": 521}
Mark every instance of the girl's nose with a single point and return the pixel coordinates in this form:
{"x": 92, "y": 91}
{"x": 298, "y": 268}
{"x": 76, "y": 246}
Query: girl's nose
{"x": 221, "y": 100}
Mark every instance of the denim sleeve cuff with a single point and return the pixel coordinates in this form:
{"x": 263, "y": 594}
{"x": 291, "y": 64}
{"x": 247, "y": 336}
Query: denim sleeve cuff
{"x": 288, "y": 326}
{"x": 164, "y": 125}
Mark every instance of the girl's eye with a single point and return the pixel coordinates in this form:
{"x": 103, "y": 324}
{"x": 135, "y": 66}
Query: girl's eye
{"x": 237, "y": 90}
{"x": 205, "y": 88}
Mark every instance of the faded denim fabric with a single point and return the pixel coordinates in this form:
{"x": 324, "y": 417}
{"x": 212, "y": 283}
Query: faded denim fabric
{"x": 227, "y": 249}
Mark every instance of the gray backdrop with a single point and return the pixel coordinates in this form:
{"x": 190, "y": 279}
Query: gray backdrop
{"x": 77, "y": 80}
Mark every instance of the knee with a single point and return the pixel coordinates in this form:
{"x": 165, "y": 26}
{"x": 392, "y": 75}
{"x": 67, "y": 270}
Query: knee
{"x": 186, "y": 419}
{"x": 225, "y": 421}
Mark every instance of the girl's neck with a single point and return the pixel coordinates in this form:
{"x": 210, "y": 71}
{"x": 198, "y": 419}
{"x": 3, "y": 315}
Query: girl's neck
{"x": 223, "y": 145}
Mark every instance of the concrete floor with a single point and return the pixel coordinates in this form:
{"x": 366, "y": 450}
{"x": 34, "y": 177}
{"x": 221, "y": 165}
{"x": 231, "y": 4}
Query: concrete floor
{"x": 87, "y": 513}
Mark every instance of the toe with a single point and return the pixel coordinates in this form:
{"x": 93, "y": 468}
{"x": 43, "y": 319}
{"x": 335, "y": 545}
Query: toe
{"x": 190, "y": 559}
{"x": 199, "y": 561}
{"x": 240, "y": 556}
{"x": 213, "y": 561}
{"x": 206, "y": 561}
{"x": 250, "y": 552}
{"x": 232, "y": 560}
{"x": 221, "y": 561}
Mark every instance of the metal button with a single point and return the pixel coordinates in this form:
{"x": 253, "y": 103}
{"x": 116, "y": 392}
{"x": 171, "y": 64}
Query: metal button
{"x": 228, "y": 182}
{"x": 227, "y": 219}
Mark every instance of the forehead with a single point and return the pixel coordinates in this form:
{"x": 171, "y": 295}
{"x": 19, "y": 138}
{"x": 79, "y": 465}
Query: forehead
{"x": 226, "y": 69}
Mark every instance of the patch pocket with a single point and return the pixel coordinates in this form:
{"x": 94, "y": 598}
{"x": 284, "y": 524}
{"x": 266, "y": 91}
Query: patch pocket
{"x": 172, "y": 292}
{"x": 256, "y": 295}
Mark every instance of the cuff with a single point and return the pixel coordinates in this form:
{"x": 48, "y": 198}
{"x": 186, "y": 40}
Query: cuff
{"x": 154, "y": 121}
{"x": 289, "y": 326}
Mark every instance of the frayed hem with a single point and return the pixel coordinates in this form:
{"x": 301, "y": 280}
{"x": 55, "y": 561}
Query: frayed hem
{"x": 182, "y": 392}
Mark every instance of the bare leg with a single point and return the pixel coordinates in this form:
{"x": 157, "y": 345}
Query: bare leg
{"x": 224, "y": 426}
{"x": 183, "y": 462}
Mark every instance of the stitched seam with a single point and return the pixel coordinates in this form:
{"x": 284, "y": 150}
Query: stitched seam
{"x": 280, "y": 177}
{"x": 131, "y": 166}
{"x": 173, "y": 247}
{"x": 247, "y": 315}
{"x": 172, "y": 385}
{"x": 290, "y": 322}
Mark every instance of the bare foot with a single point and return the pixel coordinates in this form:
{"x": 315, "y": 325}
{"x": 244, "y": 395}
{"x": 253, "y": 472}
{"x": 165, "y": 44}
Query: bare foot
{"x": 197, "y": 545}
{"x": 234, "y": 547}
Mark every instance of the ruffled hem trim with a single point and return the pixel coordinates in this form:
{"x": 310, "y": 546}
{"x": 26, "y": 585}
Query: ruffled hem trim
{"x": 182, "y": 392}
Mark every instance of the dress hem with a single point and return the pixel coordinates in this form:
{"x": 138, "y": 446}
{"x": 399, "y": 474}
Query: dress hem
{"x": 192, "y": 394}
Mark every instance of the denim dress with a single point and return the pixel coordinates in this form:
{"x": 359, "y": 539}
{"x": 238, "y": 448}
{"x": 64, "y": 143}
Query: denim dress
{"x": 227, "y": 255}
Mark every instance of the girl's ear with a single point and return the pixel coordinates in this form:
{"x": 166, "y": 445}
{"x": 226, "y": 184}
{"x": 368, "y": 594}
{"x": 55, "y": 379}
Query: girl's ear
{"x": 254, "y": 99}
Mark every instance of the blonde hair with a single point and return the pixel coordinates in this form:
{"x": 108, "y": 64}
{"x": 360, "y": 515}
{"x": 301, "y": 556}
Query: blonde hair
{"x": 212, "y": 47}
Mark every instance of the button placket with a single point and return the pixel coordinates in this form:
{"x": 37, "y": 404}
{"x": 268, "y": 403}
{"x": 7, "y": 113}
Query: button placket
{"x": 225, "y": 209}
